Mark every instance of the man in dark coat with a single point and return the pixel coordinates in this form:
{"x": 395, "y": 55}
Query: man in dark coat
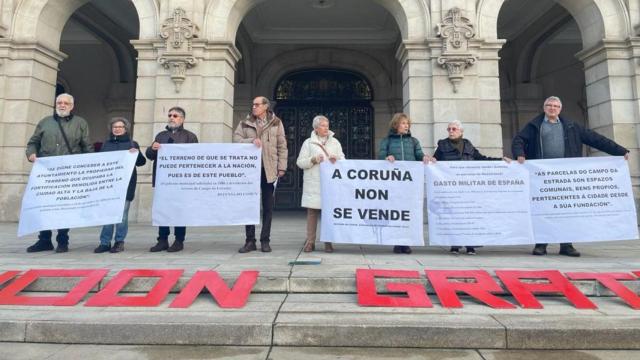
{"x": 175, "y": 133}
{"x": 61, "y": 134}
{"x": 549, "y": 136}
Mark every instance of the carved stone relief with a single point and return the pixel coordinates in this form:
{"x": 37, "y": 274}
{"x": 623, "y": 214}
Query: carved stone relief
{"x": 178, "y": 32}
{"x": 455, "y": 31}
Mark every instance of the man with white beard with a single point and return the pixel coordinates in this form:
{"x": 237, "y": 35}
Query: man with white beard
{"x": 61, "y": 134}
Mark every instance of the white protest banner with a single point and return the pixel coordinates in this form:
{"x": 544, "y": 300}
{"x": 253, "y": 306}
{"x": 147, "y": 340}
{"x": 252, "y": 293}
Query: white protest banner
{"x": 372, "y": 202}
{"x": 76, "y": 190}
{"x": 207, "y": 185}
{"x": 478, "y": 203}
{"x": 582, "y": 200}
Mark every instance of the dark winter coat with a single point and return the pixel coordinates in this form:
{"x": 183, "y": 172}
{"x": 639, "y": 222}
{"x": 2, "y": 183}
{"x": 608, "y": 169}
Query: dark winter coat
{"x": 446, "y": 151}
{"x": 402, "y": 147}
{"x": 47, "y": 139}
{"x": 179, "y": 136}
{"x": 527, "y": 142}
{"x": 123, "y": 142}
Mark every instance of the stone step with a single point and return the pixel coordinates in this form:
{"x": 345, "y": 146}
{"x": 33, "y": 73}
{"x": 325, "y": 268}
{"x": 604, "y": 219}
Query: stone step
{"x": 333, "y": 320}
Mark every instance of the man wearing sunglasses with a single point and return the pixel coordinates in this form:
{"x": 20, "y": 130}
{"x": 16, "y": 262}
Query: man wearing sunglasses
{"x": 550, "y": 136}
{"x": 264, "y": 130}
{"x": 174, "y": 133}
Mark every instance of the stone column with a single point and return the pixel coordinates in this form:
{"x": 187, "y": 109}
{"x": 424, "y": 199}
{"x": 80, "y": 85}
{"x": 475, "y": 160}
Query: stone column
{"x": 28, "y": 74}
{"x": 417, "y": 90}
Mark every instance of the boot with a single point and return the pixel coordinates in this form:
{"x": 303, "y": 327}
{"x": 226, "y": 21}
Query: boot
{"x": 101, "y": 249}
{"x": 62, "y": 247}
{"x": 309, "y": 246}
{"x": 455, "y": 250}
{"x": 117, "y": 247}
{"x": 264, "y": 246}
{"x": 540, "y": 249}
{"x": 176, "y": 246}
{"x": 569, "y": 250}
{"x": 397, "y": 249}
{"x": 41, "y": 245}
{"x": 249, "y": 245}
{"x": 328, "y": 247}
{"x": 406, "y": 249}
{"x": 162, "y": 245}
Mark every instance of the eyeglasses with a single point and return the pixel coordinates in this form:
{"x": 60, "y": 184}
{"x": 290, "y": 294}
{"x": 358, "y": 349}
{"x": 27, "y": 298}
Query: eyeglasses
{"x": 452, "y": 129}
{"x": 174, "y": 115}
{"x": 257, "y": 104}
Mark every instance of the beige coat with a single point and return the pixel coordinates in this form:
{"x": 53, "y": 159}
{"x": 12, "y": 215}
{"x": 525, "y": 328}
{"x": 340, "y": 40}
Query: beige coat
{"x": 274, "y": 143}
{"x": 310, "y": 149}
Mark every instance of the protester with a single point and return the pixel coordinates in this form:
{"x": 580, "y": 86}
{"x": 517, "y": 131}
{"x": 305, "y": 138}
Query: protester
{"x": 321, "y": 145}
{"x": 265, "y": 130}
{"x": 63, "y": 133}
{"x": 400, "y": 145}
{"x": 120, "y": 139}
{"x": 175, "y": 133}
{"x": 550, "y": 136}
{"x": 456, "y": 148}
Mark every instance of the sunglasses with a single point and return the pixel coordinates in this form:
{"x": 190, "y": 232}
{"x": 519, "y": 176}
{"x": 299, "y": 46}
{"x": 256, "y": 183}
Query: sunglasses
{"x": 174, "y": 115}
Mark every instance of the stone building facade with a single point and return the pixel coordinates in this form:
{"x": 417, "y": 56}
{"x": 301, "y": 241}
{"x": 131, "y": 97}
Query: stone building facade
{"x": 488, "y": 63}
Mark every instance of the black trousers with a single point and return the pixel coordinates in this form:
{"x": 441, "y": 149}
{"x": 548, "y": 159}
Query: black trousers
{"x": 61, "y": 238}
{"x": 179, "y": 231}
{"x": 268, "y": 200}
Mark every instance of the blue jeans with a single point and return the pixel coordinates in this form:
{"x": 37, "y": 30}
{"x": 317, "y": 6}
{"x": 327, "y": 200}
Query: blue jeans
{"x": 121, "y": 228}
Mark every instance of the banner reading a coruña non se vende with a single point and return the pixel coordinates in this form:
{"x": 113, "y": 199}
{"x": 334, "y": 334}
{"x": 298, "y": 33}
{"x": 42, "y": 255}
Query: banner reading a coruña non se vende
{"x": 76, "y": 191}
{"x": 207, "y": 185}
{"x": 372, "y": 202}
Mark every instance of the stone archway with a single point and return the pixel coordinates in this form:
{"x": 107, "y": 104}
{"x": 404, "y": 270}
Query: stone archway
{"x": 222, "y": 18}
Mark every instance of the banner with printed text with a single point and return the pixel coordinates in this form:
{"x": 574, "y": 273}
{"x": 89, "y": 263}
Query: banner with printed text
{"x": 76, "y": 191}
{"x": 372, "y": 202}
{"x": 478, "y": 203}
{"x": 582, "y": 200}
{"x": 207, "y": 185}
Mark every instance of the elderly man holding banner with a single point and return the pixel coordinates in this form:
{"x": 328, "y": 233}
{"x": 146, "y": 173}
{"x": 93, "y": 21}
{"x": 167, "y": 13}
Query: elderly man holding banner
{"x": 61, "y": 134}
{"x": 174, "y": 133}
{"x": 550, "y": 136}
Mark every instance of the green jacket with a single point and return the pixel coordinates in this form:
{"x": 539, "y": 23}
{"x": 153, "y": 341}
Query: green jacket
{"x": 47, "y": 139}
{"x": 402, "y": 147}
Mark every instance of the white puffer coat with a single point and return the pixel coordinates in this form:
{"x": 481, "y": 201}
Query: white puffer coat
{"x": 311, "y": 148}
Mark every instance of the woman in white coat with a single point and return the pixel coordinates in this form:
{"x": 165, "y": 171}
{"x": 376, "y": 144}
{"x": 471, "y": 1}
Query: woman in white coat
{"x": 320, "y": 146}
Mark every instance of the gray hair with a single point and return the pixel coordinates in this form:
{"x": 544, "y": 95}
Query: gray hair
{"x": 552, "y": 98}
{"x": 458, "y": 124}
{"x": 68, "y": 96}
{"x": 317, "y": 120}
{"x": 127, "y": 124}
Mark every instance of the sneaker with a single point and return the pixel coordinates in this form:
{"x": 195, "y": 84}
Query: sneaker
{"x": 40, "y": 245}
{"x": 397, "y": 249}
{"x": 62, "y": 248}
{"x": 569, "y": 250}
{"x": 406, "y": 249}
{"x": 540, "y": 250}
{"x": 117, "y": 247}
{"x": 471, "y": 251}
{"x": 455, "y": 250}
{"x": 101, "y": 249}
{"x": 176, "y": 246}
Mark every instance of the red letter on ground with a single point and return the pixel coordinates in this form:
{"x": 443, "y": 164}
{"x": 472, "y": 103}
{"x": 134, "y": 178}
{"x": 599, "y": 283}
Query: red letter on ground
{"x": 8, "y": 295}
{"x": 8, "y": 275}
{"x": 368, "y": 296}
{"x": 109, "y": 295}
{"x": 235, "y": 297}
{"x": 610, "y": 281}
{"x": 523, "y": 292}
{"x": 481, "y": 289}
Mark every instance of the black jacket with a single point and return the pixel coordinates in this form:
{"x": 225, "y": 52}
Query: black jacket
{"x": 180, "y": 136}
{"x": 123, "y": 142}
{"x": 527, "y": 142}
{"x": 446, "y": 151}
